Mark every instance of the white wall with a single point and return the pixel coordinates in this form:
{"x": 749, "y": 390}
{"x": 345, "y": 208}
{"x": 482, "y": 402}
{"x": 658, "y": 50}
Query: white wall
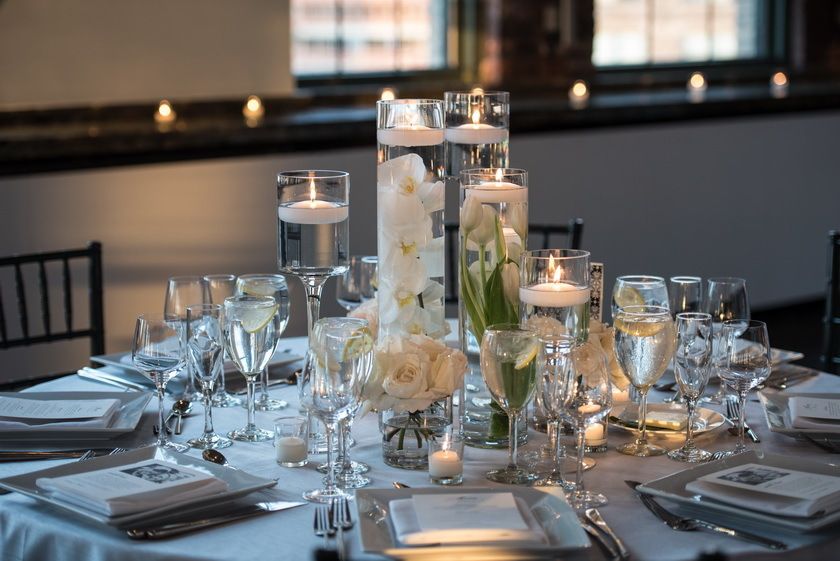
{"x": 750, "y": 197}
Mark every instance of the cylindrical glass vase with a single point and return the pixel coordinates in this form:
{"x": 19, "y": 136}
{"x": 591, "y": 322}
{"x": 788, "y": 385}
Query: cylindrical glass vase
{"x": 493, "y": 234}
{"x": 410, "y": 204}
{"x": 477, "y": 125}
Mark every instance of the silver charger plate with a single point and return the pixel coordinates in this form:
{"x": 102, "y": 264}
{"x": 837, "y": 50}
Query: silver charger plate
{"x": 547, "y": 504}
{"x": 777, "y": 412}
{"x": 132, "y": 405}
{"x": 672, "y": 487}
{"x": 239, "y": 483}
{"x": 625, "y": 417}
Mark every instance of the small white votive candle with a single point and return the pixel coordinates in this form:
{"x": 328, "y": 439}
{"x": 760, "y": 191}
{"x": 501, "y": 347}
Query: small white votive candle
{"x": 446, "y": 460}
{"x": 290, "y": 442}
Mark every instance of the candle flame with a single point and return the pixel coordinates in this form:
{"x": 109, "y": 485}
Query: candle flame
{"x": 476, "y": 116}
{"x": 697, "y": 80}
{"x": 388, "y": 94}
{"x": 312, "y": 192}
{"x": 499, "y": 174}
{"x": 478, "y": 90}
{"x": 780, "y": 79}
{"x": 556, "y": 273}
{"x": 579, "y": 88}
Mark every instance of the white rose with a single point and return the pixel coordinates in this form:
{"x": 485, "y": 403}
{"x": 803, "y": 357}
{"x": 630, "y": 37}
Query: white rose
{"x": 448, "y": 372}
{"x": 406, "y": 375}
{"x": 422, "y": 344}
{"x": 368, "y": 311}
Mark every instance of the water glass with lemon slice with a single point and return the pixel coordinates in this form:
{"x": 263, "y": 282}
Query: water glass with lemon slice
{"x": 508, "y": 364}
{"x": 250, "y": 337}
{"x": 645, "y": 340}
{"x": 639, "y": 290}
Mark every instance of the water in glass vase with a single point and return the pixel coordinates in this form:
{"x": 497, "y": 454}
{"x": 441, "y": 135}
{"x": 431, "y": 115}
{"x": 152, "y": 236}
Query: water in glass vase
{"x": 468, "y": 156}
{"x": 313, "y": 249}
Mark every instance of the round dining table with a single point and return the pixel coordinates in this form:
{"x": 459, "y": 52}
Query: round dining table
{"x": 32, "y": 531}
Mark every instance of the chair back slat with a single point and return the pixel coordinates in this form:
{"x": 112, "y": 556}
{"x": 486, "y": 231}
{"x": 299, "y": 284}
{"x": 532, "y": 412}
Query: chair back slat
{"x": 23, "y": 317}
{"x": 45, "y": 297}
{"x": 96, "y": 297}
{"x": 66, "y": 283}
{"x": 831, "y": 319}
{"x": 3, "y": 336}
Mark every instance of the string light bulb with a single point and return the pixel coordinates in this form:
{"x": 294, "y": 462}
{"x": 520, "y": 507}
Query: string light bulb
{"x": 579, "y": 94}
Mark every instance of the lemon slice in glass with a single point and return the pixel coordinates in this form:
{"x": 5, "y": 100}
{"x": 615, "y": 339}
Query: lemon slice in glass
{"x": 628, "y": 296}
{"x": 526, "y": 357}
{"x": 255, "y": 318}
{"x": 639, "y": 328}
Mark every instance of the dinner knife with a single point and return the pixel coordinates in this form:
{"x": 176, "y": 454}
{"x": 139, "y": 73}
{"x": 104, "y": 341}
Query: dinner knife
{"x": 688, "y": 524}
{"x": 178, "y": 528}
{"x": 29, "y": 455}
{"x": 110, "y": 379}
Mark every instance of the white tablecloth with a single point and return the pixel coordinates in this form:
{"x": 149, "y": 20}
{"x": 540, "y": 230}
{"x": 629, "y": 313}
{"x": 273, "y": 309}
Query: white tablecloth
{"x": 30, "y": 531}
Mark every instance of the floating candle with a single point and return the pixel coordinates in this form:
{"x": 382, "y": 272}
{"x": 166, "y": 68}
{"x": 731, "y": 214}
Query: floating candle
{"x": 554, "y": 295}
{"x": 409, "y": 136}
{"x": 313, "y": 211}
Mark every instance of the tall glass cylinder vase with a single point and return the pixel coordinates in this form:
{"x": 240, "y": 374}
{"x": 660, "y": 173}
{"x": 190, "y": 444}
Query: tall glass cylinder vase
{"x": 410, "y": 204}
{"x": 493, "y": 234}
{"x": 477, "y": 125}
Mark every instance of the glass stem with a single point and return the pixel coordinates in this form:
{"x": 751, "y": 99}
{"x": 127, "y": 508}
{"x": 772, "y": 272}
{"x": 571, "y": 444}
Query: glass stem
{"x": 314, "y": 286}
{"x": 691, "y": 405}
{"x": 162, "y": 436}
{"x": 208, "y": 411}
{"x": 347, "y": 465}
{"x": 642, "y": 418}
{"x": 581, "y": 445}
{"x": 513, "y": 433}
{"x": 559, "y": 452}
{"x": 264, "y": 384}
{"x": 742, "y": 400}
{"x": 330, "y": 489}
{"x": 252, "y": 390}
{"x": 220, "y": 383}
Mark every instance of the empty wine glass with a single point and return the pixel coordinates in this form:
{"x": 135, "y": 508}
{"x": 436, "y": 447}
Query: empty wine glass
{"x": 692, "y": 357}
{"x": 220, "y": 287}
{"x": 685, "y": 295}
{"x": 747, "y": 363}
{"x": 337, "y": 367}
{"x": 250, "y": 338}
{"x": 268, "y": 285}
{"x": 157, "y": 351}
{"x": 181, "y": 292}
{"x": 206, "y": 351}
{"x": 581, "y": 389}
{"x": 644, "y": 346}
{"x": 639, "y": 290}
{"x": 508, "y": 363}
{"x": 368, "y": 282}
{"x": 350, "y": 286}
{"x": 725, "y": 298}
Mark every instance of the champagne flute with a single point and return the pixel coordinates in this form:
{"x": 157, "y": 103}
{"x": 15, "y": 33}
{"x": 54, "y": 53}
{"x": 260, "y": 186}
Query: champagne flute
{"x": 692, "y": 358}
{"x": 747, "y": 363}
{"x": 337, "y": 367}
{"x": 644, "y": 345}
{"x": 725, "y": 298}
{"x": 220, "y": 287}
{"x": 508, "y": 363}
{"x": 181, "y": 292}
{"x": 250, "y": 338}
{"x": 157, "y": 352}
{"x": 268, "y": 285}
{"x": 581, "y": 389}
{"x": 206, "y": 351}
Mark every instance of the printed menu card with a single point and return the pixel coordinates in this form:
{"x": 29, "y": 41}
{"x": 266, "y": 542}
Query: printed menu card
{"x": 18, "y": 412}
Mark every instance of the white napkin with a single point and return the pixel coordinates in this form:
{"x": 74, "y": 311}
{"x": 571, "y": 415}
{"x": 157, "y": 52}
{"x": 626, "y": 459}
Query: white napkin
{"x": 409, "y": 531}
{"x": 815, "y": 413}
{"x": 133, "y": 488}
{"x": 19, "y": 414}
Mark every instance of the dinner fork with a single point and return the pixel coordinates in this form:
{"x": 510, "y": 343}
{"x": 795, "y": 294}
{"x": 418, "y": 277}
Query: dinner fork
{"x": 341, "y": 521}
{"x": 733, "y": 411}
{"x": 323, "y": 527}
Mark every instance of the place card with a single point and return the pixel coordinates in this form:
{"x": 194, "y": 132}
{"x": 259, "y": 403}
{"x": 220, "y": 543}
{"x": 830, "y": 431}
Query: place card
{"x": 814, "y": 412}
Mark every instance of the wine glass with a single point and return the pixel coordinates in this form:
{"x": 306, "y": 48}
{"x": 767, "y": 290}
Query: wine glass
{"x": 692, "y": 357}
{"x": 157, "y": 351}
{"x": 313, "y": 229}
{"x": 337, "y": 367}
{"x": 220, "y": 287}
{"x": 508, "y": 363}
{"x": 725, "y": 298}
{"x": 181, "y": 292}
{"x": 644, "y": 345}
{"x": 268, "y": 285}
{"x": 579, "y": 389}
{"x": 206, "y": 352}
{"x": 350, "y": 288}
{"x": 639, "y": 290}
{"x": 684, "y": 294}
{"x": 368, "y": 282}
{"x": 250, "y": 338}
{"x": 746, "y": 363}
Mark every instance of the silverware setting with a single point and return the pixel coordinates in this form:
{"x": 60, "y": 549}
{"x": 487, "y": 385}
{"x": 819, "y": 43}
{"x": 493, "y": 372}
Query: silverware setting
{"x": 733, "y": 414}
{"x": 595, "y": 517}
{"x": 599, "y": 537}
{"x": 342, "y": 521}
{"x": 691, "y": 524}
{"x": 323, "y": 526}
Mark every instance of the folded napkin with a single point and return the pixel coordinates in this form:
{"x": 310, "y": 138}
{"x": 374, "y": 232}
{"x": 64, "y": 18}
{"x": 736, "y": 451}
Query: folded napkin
{"x": 820, "y": 413}
{"x": 18, "y": 413}
{"x": 465, "y": 519}
{"x": 133, "y": 488}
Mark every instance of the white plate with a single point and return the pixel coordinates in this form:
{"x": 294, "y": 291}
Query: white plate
{"x": 777, "y": 412}
{"x": 672, "y": 487}
{"x": 132, "y": 405}
{"x": 625, "y": 419}
{"x": 547, "y": 504}
{"x": 781, "y": 356}
{"x": 239, "y": 484}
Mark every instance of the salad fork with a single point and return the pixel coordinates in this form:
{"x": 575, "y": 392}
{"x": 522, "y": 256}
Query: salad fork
{"x": 323, "y": 526}
{"x": 733, "y": 411}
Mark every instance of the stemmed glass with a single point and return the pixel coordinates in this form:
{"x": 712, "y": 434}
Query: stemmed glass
{"x": 337, "y": 367}
{"x": 205, "y": 352}
{"x": 350, "y": 286}
{"x": 725, "y": 299}
{"x": 157, "y": 351}
{"x": 644, "y": 346}
{"x": 746, "y": 363}
{"x": 508, "y": 363}
{"x": 692, "y": 358}
{"x": 220, "y": 287}
{"x": 249, "y": 339}
{"x": 181, "y": 292}
{"x": 578, "y": 387}
{"x": 639, "y": 290}
{"x": 684, "y": 294}
{"x": 268, "y": 285}
{"x": 313, "y": 229}
{"x": 368, "y": 281}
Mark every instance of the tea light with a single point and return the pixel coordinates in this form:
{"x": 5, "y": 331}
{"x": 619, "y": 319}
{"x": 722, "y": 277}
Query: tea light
{"x": 313, "y": 211}
{"x": 446, "y": 464}
{"x": 554, "y": 295}
{"x": 409, "y": 136}
{"x": 579, "y": 94}
{"x": 291, "y": 449}
{"x": 290, "y": 444}
{"x": 476, "y": 132}
{"x": 497, "y": 191}
{"x": 388, "y": 94}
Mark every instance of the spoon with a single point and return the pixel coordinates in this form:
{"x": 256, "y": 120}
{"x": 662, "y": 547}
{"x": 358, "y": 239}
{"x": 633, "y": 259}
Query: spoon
{"x": 398, "y": 485}
{"x": 216, "y": 457}
{"x": 174, "y": 410}
{"x": 181, "y": 408}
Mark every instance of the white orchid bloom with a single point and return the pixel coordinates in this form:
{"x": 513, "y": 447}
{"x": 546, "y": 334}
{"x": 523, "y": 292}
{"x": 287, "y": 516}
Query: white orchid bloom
{"x": 431, "y": 194}
{"x": 402, "y": 175}
{"x": 396, "y": 304}
{"x": 486, "y": 230}
{"x": 471, "y": 214}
